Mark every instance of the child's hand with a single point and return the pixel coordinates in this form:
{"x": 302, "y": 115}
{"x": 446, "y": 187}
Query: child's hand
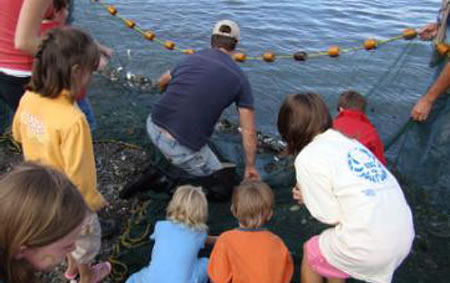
{"x": 211, "y": 240}
{"x": 106, "y": 51}
{"x": 105, "y": 54}
{"x": 297, "y": 194}
{"x": 105, "y": 205}
{"x": 102, "y": 63}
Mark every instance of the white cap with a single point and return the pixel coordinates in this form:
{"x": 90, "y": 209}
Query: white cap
{"x": 234, "y": 33}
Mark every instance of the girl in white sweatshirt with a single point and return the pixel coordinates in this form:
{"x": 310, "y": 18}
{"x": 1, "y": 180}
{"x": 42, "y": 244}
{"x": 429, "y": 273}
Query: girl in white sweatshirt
{"x": 343, "y": 184}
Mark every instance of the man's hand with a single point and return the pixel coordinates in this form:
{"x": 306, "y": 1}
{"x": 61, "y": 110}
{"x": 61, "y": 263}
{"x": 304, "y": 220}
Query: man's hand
{"x": 248, "y": 133}
{"x": 429, "y": 31}
{"x": 251, "y": 174}
{"x": 440, "y": 86}
{"x": 164, "y": 80}
{"x": 297, "y": 194}
{"x": 421, "y": 110}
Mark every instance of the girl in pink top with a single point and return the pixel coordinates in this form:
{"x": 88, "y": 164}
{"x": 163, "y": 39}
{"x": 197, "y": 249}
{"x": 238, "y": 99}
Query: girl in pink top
{"x": 19, "y": 36}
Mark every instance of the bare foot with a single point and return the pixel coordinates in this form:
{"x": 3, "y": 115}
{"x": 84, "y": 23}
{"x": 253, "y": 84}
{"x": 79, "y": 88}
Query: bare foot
{"x": 97, "y": 273}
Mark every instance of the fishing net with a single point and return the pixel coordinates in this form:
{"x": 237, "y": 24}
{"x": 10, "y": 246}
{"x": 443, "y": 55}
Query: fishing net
{"x": 418, "y": 153}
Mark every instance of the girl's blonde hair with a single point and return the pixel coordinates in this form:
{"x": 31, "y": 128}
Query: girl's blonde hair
{"x": 38, "y": 206}
{"x": 252, "y": 204}
{"x": 189, "y": 206}
{"x": 60, "y": 51}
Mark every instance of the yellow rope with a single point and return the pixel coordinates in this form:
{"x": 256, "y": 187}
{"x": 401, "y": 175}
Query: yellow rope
{"x": 117, "y": 265}
{"x": 120, "y": 269}
{"x": 126, "y": 240}
{"x": 241, "y": 57}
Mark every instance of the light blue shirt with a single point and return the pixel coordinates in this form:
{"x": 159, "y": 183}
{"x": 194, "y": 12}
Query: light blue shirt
{"x": 174, "y": 256}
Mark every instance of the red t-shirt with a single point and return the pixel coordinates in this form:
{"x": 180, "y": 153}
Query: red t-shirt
{"x": 356, "y": 125}
{"x": 48, "y": 25}
{"x": 10, "y": 57}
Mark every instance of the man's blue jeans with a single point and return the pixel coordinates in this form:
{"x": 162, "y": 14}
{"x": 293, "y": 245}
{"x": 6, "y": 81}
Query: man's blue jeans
{"x": 198, "y": 163}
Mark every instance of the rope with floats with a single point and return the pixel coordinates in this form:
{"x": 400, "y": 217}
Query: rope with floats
{"x": 270, "y": 56}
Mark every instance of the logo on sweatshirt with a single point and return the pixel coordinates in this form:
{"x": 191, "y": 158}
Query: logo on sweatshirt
{"x": 365, "y": 165}
{"x": 35, "y": 127}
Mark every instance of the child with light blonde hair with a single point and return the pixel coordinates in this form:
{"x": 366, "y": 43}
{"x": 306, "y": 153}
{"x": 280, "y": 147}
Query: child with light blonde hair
{"x": 251, "y": 253}
{"x": 178, "y": 239}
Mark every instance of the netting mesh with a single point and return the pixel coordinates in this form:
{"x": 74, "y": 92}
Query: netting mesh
{"x": 418, "y": 152}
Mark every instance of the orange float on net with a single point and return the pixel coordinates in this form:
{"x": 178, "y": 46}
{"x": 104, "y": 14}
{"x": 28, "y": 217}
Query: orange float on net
{"x": 169, "y": 45}
{"x": 333, "y": 51}
{"x": 240, "y": 57}
{"x": 442, "y": 48}
{"x": 189, "y": 51}
{"x": 149, "y": 35}
{"x": 370, "y": 44}
{"x": 112, "y": 10}
{"x": 409, "y": 33}
{"x": 269, "y": 56}
{"x": 130, "y": 23}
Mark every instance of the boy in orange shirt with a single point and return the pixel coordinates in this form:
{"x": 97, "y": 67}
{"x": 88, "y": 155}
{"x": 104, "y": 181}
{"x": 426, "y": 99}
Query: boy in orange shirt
{"x": 251, "y": 253}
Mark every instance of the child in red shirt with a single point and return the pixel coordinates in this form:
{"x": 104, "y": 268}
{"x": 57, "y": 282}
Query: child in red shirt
{"x": 251, "y": 253}
{"x": 353, "y": 122}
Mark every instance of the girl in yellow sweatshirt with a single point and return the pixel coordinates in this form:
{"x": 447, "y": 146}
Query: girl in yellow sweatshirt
{"x": 53, "y": 131}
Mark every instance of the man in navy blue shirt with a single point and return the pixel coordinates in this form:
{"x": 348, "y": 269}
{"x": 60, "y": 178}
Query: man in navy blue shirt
{"x": 198, "y": 89}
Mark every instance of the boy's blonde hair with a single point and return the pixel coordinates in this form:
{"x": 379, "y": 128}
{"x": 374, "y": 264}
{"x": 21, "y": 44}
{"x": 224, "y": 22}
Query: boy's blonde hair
{"x": 252, "y": 204}
{"x": 189, "y": 206}
{"x": 38, "y": 206}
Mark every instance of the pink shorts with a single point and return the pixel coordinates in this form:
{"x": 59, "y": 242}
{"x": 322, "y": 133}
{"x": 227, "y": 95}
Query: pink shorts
{"x": 318, "y": 262}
